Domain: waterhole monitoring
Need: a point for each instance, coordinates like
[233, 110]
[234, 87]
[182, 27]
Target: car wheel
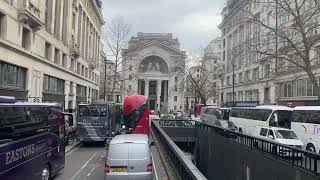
[46, 173]
[311, 148]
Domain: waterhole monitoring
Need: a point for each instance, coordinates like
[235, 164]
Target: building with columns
[154, 67]
[50, 50]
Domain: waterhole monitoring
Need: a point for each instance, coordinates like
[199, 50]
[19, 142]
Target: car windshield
[285, 134]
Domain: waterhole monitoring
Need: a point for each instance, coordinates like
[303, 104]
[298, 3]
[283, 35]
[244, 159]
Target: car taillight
[106, 168]
[149, 168]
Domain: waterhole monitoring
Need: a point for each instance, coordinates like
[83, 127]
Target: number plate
[92, 133]
[118, 169]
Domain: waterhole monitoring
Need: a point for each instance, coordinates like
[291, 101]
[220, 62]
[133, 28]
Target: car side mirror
[271, 137]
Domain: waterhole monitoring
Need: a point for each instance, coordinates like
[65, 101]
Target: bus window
[281, 118]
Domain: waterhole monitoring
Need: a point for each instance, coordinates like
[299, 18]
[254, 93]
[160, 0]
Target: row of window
[12, 76]
[245, 77]
[255, 114]
[53, 85]
[249, 95]
[297, 88]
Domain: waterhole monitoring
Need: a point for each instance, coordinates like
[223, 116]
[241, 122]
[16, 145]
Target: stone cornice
[154, 42]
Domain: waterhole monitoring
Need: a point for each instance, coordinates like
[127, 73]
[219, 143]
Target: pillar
[158, 94]
[146, 87]
[165, 88]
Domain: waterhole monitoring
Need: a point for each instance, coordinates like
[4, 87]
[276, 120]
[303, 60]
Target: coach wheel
[46, 173]
[311, 148]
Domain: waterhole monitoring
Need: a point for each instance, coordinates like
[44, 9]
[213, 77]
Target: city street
[84, 163]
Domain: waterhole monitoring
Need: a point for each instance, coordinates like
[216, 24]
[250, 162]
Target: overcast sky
[193, 22]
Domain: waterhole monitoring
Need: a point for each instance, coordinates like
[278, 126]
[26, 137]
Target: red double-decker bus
[136, 114]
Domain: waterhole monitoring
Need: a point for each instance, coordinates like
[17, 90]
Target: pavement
[72, 146]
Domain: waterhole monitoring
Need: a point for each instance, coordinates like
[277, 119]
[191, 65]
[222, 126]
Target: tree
[115, 37]
[286, 31]
[199, 74]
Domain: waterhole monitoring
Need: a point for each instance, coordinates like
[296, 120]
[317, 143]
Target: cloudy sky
[193, 22]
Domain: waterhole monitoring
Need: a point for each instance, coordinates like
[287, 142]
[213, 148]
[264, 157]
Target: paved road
[84, 163]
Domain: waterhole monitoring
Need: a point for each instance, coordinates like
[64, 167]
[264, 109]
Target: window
[175, 98]
[73, 21]
[255, 74]
[267, 71]
[12, 76]
[71, 88]
[78, 68]
[176, 79]
[26, 38]
[130, 68]
[3, 25]
[86, 73]
[47, 51]
[56, 56]
[48, 12]
[263, 132]
[53, 85]
[17, 118]
[81, 90]
[240, 78]
[64, 60]
[82, 70]
[72, 63]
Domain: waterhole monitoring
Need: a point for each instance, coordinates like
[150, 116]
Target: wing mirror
[271, 136]
[152, 143]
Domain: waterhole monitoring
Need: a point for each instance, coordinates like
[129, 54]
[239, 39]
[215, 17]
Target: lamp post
[233, 98]
[105, 80]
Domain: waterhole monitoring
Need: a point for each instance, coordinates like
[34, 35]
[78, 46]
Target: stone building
[50, 50]
[255, 77]
[107, 72]
[243, 69]
[155, 66]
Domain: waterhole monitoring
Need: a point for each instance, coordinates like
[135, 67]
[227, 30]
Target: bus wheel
[46, 173]
[311, 148]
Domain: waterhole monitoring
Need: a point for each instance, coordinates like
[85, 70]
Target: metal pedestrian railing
[175, 123]
[184, 167]
[295, 155]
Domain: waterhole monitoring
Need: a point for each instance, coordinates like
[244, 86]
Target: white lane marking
[90, 172]
[154, 167]
[85, 164]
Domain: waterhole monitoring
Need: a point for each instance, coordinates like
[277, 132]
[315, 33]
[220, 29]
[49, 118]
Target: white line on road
[154, 167]
[85, 164]
[90, 172]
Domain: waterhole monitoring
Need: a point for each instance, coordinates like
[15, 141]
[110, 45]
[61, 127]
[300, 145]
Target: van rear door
[118, 156]
[139, 158]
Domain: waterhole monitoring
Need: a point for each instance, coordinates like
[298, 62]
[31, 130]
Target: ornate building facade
[50, 50]
[155, 67]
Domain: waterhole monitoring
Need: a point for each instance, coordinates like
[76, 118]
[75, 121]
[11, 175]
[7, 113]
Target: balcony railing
[32, 14]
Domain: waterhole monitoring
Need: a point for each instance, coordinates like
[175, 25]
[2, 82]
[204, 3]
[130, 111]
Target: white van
[128, 158]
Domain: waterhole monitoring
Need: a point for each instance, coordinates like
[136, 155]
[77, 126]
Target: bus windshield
[284, 118]
[284, 134]
[92, 110]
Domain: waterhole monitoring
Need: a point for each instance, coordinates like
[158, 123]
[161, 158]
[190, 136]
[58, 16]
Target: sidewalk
[72, 146]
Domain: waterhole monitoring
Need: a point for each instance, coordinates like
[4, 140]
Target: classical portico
[155, 60]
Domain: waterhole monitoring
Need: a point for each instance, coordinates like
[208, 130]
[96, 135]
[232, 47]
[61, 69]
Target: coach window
[263, 132]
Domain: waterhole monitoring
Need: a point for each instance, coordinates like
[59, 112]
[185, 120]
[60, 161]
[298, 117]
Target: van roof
[270, 107]
[130, 138]
[307, 108]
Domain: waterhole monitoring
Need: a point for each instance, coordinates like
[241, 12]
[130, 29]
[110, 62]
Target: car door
[138, 161]
[118, 161]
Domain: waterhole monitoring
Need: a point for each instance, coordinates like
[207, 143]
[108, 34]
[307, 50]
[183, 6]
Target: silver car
[128, 158]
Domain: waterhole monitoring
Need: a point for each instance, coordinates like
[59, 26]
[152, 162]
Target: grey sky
[193, 22]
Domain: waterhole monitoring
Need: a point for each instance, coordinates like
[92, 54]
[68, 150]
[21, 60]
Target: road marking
[90, 172]
[154, 167]
[85, 164]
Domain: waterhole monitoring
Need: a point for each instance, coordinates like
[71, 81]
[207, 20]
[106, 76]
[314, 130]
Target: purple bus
[31, 140]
